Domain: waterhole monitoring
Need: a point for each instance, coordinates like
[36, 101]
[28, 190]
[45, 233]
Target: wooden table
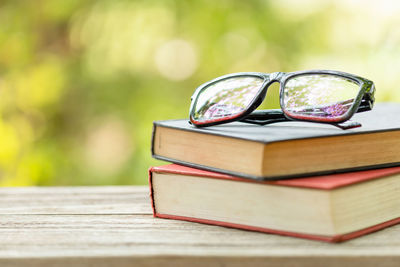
[104, 226]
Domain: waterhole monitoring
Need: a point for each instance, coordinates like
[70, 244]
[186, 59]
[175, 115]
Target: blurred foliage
[81, 81]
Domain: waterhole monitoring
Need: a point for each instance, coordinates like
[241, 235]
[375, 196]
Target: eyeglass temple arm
[366, 104]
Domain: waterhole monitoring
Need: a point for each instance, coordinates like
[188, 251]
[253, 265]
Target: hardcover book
[330, 208]
[284, 149]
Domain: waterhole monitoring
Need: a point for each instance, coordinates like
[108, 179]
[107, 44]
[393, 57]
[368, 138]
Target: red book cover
[325, 182]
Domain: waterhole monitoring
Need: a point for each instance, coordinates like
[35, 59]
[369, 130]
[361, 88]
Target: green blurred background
[81, 81]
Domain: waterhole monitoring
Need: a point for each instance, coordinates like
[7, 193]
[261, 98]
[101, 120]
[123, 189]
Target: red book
[330, 208]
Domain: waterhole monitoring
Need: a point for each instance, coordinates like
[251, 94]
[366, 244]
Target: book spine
[153, 133]
[153, 208]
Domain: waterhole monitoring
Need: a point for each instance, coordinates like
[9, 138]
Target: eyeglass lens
[319, 96]
[226, 98]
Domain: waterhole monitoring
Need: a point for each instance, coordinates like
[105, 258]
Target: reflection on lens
[226, 98]
[319, 96]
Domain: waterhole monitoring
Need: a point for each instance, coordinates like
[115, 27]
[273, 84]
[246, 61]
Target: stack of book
[292, 178]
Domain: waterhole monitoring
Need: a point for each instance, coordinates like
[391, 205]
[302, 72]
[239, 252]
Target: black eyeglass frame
[364, 100]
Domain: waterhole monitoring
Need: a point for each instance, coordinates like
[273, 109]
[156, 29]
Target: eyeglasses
[322, 96]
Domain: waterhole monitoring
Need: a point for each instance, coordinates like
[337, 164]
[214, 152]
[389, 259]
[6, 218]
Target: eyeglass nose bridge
[273, 78]
[276, 77]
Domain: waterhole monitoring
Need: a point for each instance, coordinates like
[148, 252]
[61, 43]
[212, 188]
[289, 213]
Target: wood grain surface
[113, 226]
